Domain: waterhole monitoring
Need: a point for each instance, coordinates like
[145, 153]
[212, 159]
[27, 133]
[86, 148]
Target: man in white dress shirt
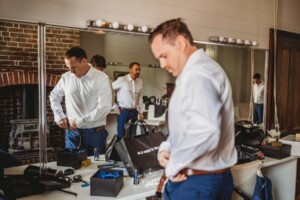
[258, 98]
[200, 150]
[129, 90]
[88, 99]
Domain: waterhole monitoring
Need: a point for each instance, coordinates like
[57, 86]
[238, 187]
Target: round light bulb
[99, 22]
[130, 27]
[115, 25]
[230, 40]
[221, 39]
[144, 29]
[254, 43]
[247, 42]
[238, 41]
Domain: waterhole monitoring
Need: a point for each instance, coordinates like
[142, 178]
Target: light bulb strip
[113, 63]
[115, 26]
[221, 39]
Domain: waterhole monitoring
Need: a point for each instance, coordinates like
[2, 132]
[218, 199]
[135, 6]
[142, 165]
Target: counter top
[146, 188]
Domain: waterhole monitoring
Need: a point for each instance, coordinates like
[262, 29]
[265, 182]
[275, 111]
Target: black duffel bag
[248, 136]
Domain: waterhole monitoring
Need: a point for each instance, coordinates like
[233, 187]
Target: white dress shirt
[258, 93]
[87, 99]
[129, 92]
[201, 118]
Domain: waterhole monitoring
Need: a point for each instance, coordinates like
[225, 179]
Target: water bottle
[135, 177]
[96, 154]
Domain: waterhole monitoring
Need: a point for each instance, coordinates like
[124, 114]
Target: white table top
[290, 139]
[147, 186]
[272, 161]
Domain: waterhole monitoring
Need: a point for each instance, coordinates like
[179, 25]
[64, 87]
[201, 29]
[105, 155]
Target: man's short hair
[170, 30]
[76, 52]
[133, 63]
[257, 76]
[99, 61]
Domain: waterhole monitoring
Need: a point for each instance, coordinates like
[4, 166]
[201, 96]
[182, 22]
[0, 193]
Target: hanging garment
[263, 188]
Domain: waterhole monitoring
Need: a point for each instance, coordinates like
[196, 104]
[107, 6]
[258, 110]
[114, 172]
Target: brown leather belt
[129, 109]
[190, 172]
[100, 128]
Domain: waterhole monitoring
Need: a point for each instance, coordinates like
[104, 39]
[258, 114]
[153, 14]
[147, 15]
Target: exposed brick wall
[18, 45]
[19, 65]
[25, 77]
[59, 40]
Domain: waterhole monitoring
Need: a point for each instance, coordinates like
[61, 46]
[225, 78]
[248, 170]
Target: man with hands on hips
[200, 150]
[88, 100]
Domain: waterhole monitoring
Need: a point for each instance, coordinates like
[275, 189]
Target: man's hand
[117, 110]
[163, 158]
[73, 125]
[63, 123]
[178, 178]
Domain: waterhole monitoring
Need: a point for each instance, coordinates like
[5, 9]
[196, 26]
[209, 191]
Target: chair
[244, 178]
[155, 121]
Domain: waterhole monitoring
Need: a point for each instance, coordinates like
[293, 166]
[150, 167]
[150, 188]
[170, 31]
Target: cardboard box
[71, 157]
[109, 187]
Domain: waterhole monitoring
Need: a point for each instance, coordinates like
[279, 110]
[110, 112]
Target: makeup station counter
[281, 172]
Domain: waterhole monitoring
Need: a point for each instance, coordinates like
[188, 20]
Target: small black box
[277, 152]
[109, 187]
[71, 157]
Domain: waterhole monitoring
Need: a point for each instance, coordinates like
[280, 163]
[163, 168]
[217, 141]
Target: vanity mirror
[238, 62]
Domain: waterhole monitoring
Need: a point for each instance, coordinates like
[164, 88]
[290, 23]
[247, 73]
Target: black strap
[130, 130]
[241, 193]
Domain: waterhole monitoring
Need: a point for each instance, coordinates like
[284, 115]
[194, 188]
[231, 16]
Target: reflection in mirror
[124, 49]
[237, 63]
[116, 48]
[19, 64]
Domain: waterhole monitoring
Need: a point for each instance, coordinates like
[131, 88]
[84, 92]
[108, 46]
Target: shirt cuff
[171, 169]
[164, 146]
[59, 117]
[79, 122]
[115, 106]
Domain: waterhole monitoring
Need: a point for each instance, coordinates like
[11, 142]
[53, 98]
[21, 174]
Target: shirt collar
[91, 71]
[192, 59]
[129, 77]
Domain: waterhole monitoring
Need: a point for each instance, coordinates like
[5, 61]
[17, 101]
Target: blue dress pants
[258, 115]
[123, 118]
[203, 187]
[88, 138]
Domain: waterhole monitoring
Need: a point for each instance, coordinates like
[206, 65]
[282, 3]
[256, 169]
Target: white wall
[230, 18]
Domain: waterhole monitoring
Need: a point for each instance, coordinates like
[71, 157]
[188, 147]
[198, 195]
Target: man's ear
[181, 42]
[84, 61]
